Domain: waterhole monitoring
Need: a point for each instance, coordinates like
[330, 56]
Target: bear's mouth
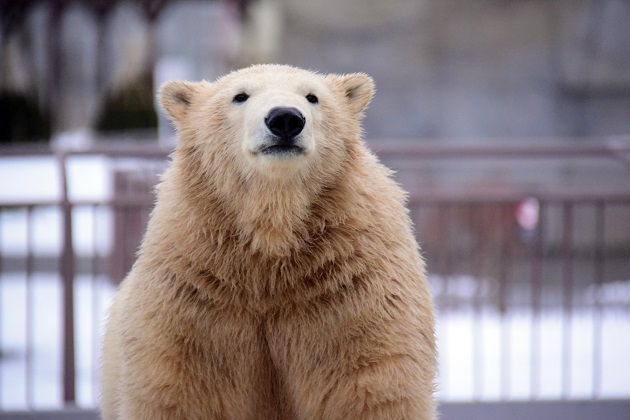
[281, 149]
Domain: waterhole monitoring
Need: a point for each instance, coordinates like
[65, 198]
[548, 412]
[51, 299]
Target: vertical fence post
[67, 278]
[1, 300]
[537, 261]
[28, 273]
[567, 293]
[600, 239]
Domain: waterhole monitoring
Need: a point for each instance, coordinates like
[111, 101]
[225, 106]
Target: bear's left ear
[358, 89]
[176, 97]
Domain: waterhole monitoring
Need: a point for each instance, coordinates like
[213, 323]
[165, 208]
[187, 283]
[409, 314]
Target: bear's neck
[261, 216]
[271, 216]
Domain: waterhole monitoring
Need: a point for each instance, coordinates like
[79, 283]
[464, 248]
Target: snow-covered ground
[484, 355]
[502, 346]
[40, 386]
[493, 357]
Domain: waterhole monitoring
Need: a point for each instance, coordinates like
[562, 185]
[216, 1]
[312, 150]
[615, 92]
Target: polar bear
[279, 277]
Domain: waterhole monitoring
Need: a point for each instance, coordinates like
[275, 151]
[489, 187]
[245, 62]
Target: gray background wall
[443, 68]
[456, 68]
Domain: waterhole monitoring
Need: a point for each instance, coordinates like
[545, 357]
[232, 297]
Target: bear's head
[266, 141]
[269, 119]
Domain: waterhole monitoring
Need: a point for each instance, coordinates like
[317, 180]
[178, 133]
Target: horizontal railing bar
[469, 196]
[116, 202]
[612, 146]
[122, 150]
[482, 196]
[523, 148]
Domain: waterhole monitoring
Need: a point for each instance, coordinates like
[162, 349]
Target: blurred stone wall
[97, 58]
[463, 69]
[443, 68]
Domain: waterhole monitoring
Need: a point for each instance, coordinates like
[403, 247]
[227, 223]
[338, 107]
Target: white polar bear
[279, 277]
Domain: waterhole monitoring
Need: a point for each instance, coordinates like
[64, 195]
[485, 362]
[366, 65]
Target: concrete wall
[462, 69]
[443, 68]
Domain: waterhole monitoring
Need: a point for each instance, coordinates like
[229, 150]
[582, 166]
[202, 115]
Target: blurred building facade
[443, 69]
[476, 69]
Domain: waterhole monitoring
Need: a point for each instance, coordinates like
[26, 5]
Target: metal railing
[508, 261]
[512, 278]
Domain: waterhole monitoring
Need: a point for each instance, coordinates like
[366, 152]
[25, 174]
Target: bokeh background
[508, 121]
[444, 69]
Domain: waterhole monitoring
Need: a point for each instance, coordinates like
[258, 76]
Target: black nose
[285, 122]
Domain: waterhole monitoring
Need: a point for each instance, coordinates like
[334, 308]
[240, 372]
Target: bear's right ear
[358, 89]
[176, 97]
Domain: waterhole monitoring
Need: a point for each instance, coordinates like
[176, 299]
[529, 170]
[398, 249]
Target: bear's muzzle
[284, 124]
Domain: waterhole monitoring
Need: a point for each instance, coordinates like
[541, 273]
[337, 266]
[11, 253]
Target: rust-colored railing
[495, 242]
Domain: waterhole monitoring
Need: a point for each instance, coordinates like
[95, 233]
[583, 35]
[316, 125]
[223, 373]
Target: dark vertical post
[67, 278]
[441, 251]
[53, 81]
[29, 307]
[504, 290]
[102, 11]
[96, 307]
[1, 289]
[597, 310]
[152, 10]
[538, 255]
[475, 250]
[567, 293]
[101, 52]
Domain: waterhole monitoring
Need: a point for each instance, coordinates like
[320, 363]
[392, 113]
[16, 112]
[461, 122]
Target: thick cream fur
[272, 288]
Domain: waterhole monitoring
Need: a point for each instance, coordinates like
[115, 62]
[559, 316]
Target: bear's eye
[312, 98]
[241, 97]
